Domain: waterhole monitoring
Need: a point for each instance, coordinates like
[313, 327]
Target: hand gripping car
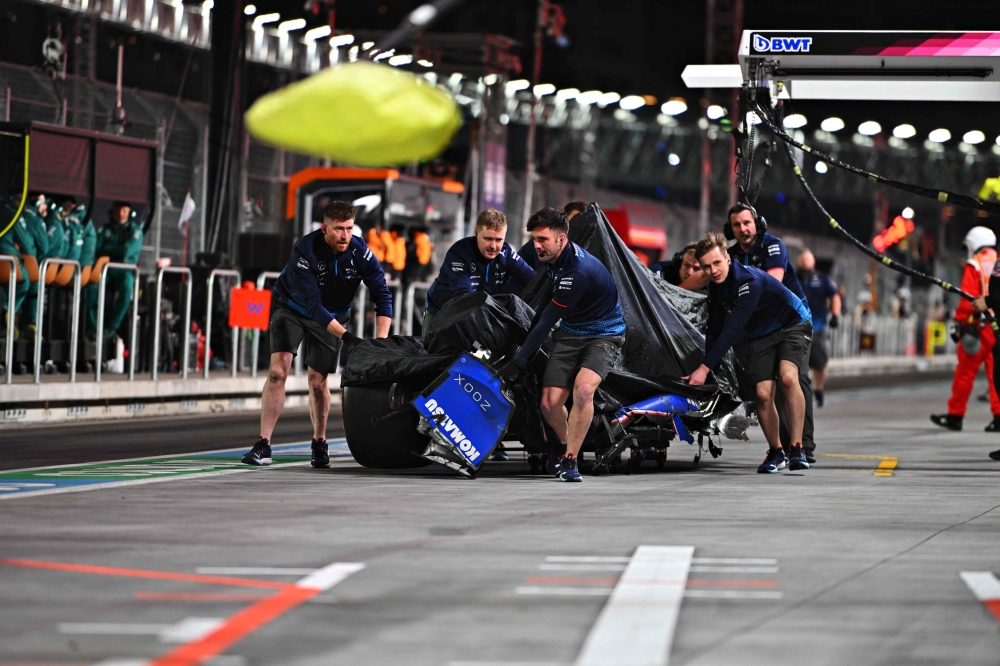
[409, 401]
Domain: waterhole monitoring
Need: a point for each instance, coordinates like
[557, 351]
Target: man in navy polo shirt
[311, 305]
[589, 340]
[822, 297]
[755, 247]
[483, 262]
[743, 299]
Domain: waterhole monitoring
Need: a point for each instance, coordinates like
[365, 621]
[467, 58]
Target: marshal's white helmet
[978, 238]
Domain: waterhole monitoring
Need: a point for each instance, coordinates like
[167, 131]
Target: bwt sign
[782, 44]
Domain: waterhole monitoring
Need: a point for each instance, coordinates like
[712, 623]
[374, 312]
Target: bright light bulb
[543, 89]
[974, 137]
[908, 213]
[869, 128]
[567, 93]
[715, 112]
[673, 159]
[674, 106]
[833, 124]
[293, 24]
[821, 167]
[632, 102]
[401, 59]
[939, 135]
[904, 131]
[608, 98]
[516, 85]
[341, 40]
[794, 121]
[265, 18]
[589, 97]
[317, 33]
[250, 10]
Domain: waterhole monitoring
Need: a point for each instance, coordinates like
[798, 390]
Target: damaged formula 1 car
[409, 401]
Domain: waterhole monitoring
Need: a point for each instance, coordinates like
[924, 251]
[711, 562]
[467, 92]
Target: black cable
[943, 196]
[878, 256]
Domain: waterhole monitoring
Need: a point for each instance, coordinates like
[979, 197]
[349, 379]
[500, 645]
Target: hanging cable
[886, 261]
[943, 196]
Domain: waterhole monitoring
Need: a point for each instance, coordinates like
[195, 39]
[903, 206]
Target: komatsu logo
[450, 430]
[782, 44]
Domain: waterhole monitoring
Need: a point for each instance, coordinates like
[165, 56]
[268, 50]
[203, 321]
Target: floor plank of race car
[887, 552]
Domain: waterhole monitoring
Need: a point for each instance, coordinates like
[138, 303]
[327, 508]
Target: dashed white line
[582, 567]
[254, 571]
[710, 569]
[983, 584]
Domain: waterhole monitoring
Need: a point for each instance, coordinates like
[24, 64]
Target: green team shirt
[121, 242]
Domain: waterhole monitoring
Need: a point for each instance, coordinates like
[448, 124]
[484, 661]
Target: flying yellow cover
[358, 113]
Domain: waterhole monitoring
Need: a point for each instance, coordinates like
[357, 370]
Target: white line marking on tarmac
[732, 560]
[730, 594]
[330, 575]
[703, 569]
[983, 584]
[121, 662]
[254, 571]
[586, 558]
[506, 663]
[636, 626]
[565, 591]
[190, 629]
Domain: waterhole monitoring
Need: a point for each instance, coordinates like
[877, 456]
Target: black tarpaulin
[479, 321]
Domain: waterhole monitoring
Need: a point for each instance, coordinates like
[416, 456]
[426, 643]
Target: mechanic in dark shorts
[820, 290]
[589, 340]
[311, 305]
[774, 323]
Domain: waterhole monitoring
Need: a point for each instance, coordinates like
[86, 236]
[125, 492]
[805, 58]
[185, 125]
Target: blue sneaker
[499, 454]
[568, 470]
[552, 464]
[796, 458]
[259, 455]
[774, 462]
[320, 453]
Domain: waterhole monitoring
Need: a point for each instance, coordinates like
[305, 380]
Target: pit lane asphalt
[831, 566]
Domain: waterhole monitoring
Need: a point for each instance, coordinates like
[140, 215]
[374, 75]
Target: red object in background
[652, 240]
[250, 308]
[896, 232]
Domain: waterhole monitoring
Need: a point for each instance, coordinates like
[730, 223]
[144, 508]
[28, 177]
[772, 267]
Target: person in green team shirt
[121, 241]
[10, 246]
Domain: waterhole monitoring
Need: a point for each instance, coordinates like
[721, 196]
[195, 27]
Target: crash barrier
[74, 324]
[255, 346]
[220, 272]
[874, 335]
[411, 295]
[8, 356]
[361, 303]
[101, 302]
[186, 273]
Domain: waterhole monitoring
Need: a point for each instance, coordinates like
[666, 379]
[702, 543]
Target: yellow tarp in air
[359, 113]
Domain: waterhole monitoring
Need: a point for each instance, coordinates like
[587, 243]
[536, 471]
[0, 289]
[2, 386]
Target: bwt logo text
[782, 44]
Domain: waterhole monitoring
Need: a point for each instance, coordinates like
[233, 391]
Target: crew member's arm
[549, 317]
[748, 295]
[775, 259]
[132, 247]
[697, 280]
[374, 278]
[305, 292]
[835, 303]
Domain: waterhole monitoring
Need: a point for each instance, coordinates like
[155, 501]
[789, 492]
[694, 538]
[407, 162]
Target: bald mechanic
[746, 300]
[755, 247]
[312, 305]
[821, 297]
[589, 340]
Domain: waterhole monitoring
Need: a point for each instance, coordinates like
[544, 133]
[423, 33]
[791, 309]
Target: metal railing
[361, 305]
[187, 319]
[74, 324]
[890, 336]
[255, 348]
[220, 272]
[411, 295]
[101, 302]
[11, 302]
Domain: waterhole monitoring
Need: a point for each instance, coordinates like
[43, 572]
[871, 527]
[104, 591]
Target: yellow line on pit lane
[886, 465]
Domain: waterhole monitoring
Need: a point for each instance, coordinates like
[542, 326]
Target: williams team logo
[762, 44]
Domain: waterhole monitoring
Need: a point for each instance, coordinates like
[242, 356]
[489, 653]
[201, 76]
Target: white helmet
[978, 238]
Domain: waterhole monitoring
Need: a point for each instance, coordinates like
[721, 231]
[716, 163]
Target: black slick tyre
[378, 436]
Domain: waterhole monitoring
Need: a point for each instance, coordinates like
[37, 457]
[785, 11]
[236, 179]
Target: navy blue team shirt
[466, 270]
[767, 253]
[320, 284]
[755, 302]
[818, 287]
[586, 295]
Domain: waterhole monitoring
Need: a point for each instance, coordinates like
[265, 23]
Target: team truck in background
[409, 401]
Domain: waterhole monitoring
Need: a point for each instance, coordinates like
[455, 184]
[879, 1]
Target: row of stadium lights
[871, 128]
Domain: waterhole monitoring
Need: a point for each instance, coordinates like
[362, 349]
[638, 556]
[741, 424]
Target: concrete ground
[859, 560]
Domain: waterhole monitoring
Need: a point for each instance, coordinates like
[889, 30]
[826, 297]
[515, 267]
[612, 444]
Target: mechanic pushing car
[683, 270]
[483, 262]
[755, 247]
[778, 331]
[312, 305]
[589, 340]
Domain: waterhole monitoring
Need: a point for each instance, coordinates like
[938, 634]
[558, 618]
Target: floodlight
[974, 137]
[821, 167]
[939, 135]
[589, 97]
[795, 121]
[715, 112]
[632, 102]
[543, 89]
[674, 106]
[833, 124]
[904, 131]
[869, 128]
[673, 159]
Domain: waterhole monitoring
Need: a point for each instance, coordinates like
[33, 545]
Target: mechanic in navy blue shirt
[587, 345]
[483, 262]
[755, 247]
[311, 306]
[747, 303]
[820, 290]
[527, 250]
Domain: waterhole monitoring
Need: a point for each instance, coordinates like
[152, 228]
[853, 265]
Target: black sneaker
[796, 458]
[949, 421]
[568, 470]
[499, 454]
[818, 395]
[774, 462]
[994, 425]
[259, 455]
[810, 455]
[320, 453]
[995, 454]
